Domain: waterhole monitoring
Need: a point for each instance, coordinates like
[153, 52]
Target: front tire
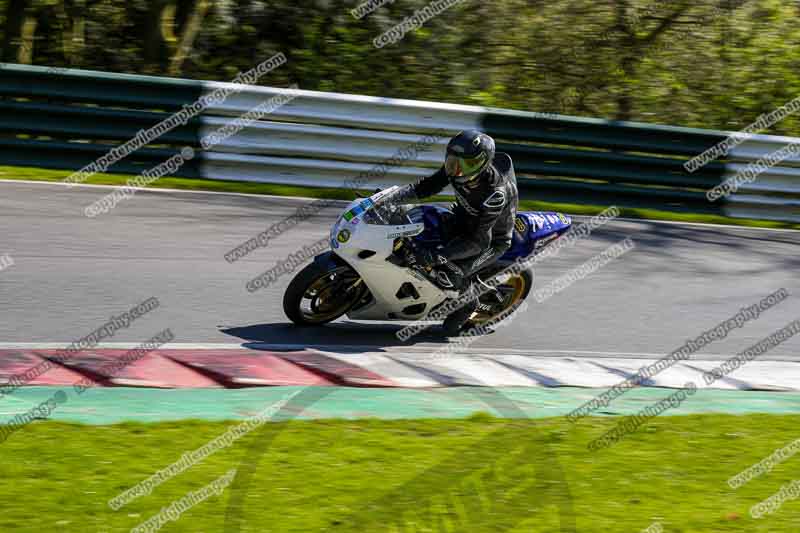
[321, 293]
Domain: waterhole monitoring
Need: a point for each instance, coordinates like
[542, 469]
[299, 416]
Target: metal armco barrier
[65, 119]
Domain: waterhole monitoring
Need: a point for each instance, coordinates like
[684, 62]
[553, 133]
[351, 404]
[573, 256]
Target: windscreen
[390, 207]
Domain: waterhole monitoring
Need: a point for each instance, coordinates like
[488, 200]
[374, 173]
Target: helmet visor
[464, 169]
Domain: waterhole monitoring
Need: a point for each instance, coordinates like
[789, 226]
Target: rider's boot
[455, 321]
[450, 282]
[470, 294]
[449, 277]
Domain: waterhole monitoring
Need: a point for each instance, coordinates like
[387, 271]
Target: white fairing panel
[384, 279]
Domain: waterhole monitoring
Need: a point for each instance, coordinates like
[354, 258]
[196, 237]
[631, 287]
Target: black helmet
[468, 154]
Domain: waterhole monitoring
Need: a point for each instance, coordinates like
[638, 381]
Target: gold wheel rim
[324, 289]
[517, 284]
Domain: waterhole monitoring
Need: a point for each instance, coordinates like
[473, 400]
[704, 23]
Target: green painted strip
[76, 85]
[599, 133]
[585, 192]
[113, 405]
[147, 99]
[78, 122]
[74, 156]
[611, 165]
[633, 179]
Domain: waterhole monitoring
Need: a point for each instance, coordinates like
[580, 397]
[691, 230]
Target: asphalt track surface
[72, 273]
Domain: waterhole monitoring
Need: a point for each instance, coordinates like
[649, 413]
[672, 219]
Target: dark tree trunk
[154, 49]
[15, 18]
[627, 61]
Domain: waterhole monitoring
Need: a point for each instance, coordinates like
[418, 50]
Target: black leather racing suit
[482, 228]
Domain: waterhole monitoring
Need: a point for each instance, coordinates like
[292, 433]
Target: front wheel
[321, 293]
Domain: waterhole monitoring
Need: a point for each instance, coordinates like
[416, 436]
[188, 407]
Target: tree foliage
[708, 63]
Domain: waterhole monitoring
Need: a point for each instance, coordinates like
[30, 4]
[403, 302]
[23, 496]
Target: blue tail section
[532, 229]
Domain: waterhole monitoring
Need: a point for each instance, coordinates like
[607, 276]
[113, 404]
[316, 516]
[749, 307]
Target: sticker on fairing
[358, 210]
[407, 233]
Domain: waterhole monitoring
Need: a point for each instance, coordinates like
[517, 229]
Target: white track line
[370, 348]
[165, 190]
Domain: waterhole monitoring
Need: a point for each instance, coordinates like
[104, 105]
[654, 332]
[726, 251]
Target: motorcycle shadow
[341, 335]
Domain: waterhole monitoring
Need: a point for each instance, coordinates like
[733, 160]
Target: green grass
[39, 174]
[477, 475]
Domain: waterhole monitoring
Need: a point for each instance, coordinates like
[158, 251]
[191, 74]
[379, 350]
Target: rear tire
[331, 290]
[514, 290]
[453, 324]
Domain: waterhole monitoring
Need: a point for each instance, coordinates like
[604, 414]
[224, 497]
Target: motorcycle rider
[486, 205]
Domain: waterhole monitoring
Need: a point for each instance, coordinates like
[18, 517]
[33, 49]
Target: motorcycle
[370, 274]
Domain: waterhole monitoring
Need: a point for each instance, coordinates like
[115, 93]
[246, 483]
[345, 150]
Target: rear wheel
[513, 292]
[321, 293]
